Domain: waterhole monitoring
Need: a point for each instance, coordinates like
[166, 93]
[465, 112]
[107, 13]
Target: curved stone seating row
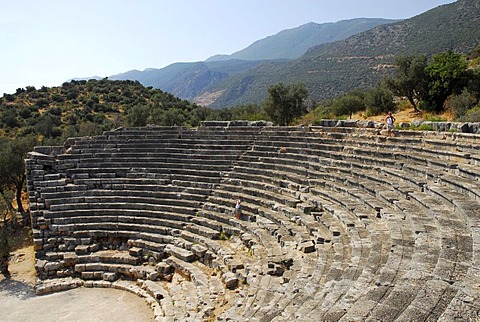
[338, 223]
[337, 231]
[88, 202]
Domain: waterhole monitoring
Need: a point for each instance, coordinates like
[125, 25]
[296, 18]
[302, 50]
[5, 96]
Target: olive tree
[12, 179]
[410, 78]
[12, 169]
[284, 103]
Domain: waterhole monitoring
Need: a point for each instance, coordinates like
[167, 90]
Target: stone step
[203, 230]
[178, 253]
[128, 210]
[162, 296]
[188, 269]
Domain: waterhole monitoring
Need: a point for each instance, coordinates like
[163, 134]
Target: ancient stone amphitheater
[338, 223]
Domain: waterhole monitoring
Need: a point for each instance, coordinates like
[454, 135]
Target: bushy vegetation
[448, 82]
[88, 108]
[285, 102]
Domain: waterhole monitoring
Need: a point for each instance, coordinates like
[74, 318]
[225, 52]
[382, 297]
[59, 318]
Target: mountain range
[293, 43]
[189, 80]
[329, 58]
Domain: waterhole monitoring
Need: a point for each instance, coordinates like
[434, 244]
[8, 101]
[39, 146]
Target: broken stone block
[275, 269]
[81, 249]
[135, 251]
[70, 259]
[307, 247]
[231, 281]
[235, 265]
[163, 268]
[52, 266]
[199, 250]
[110, 277]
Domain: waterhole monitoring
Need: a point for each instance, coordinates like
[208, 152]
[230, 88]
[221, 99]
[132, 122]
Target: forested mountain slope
[361, 60]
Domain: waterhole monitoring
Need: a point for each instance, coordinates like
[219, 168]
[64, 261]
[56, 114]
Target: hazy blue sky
[48, 42]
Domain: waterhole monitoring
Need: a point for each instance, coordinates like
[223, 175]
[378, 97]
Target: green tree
[173, 116]
[284, 103]
[459, 104]
[12, 169]
[199, 114]
[138, 115]
[9, 118]
[47, 125]
[410, 78]
[447, 74]
[348, 104]
[474, 83]
[379, 100]
[249, 112]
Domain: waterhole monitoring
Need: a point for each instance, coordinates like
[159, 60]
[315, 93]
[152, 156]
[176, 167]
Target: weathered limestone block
[135, 251]
[70, 259]
[37, 244]
[230, 280]
[52, 266]
[307, 246]
[247, 239]
[157, 291]
[143, 272]
[164, 269]
[305, 208]
[203, 231]
[87, 275]
[110, 276]
[199, 250]
[80, 268]
[275, 269]
[180, 253]
[235, 265]
[40, 266]
[82, 249]
[85, 241]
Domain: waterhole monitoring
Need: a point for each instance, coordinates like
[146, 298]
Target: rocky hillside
[361, 60]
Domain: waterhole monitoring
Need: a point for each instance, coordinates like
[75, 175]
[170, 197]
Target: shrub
[472, 115]
[423, 127]
[379, 101]
[347, 105]
[459, 104]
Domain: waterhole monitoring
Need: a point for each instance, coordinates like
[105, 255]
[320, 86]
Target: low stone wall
[461, 127]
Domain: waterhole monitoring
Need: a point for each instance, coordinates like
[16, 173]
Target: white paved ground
[19, 303]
